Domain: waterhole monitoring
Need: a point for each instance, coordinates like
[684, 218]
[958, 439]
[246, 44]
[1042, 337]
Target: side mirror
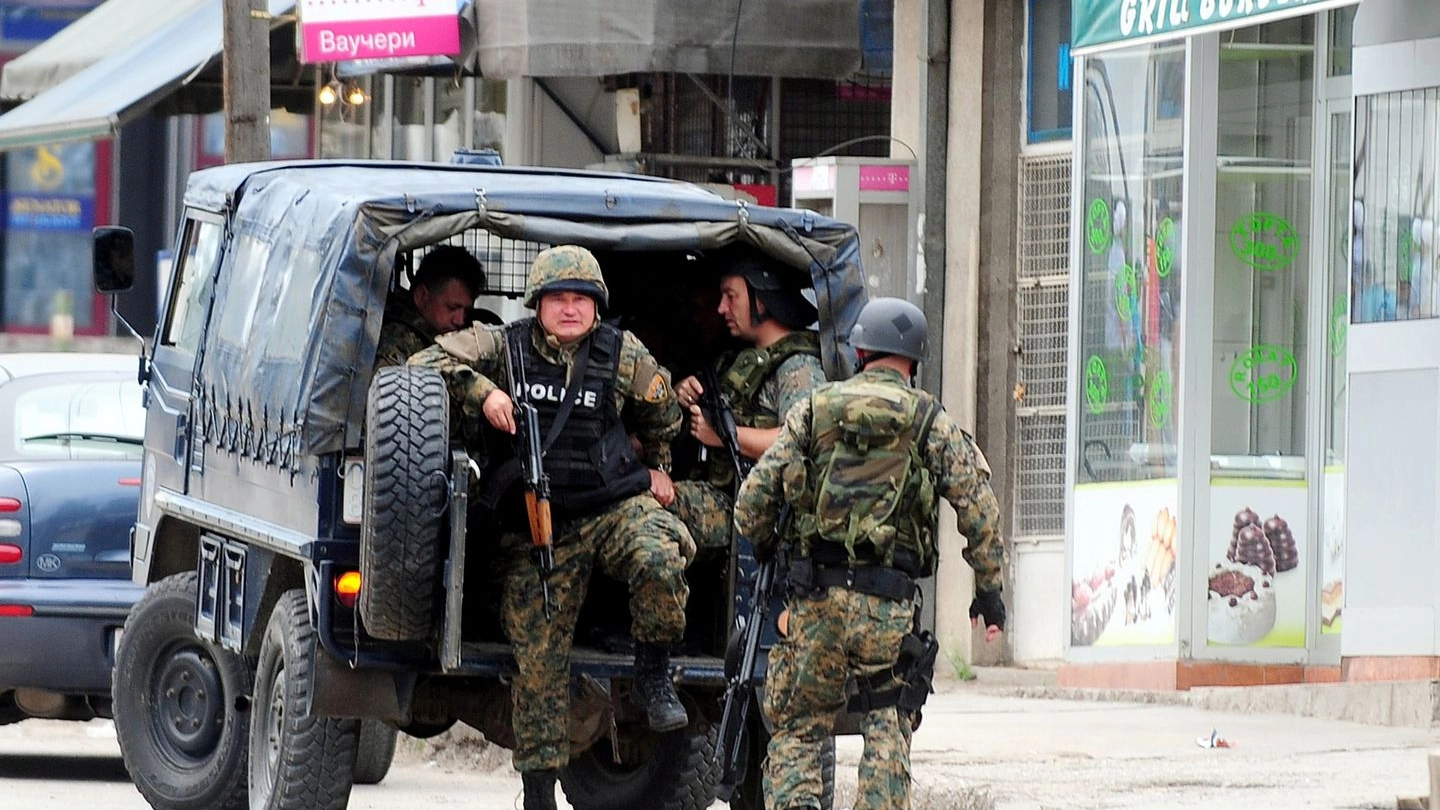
[113, 257]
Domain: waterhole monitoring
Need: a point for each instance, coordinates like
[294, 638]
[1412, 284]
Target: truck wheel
[297, 761]
[673, 771]
[375, 751]
[407, 422]
[180, 705]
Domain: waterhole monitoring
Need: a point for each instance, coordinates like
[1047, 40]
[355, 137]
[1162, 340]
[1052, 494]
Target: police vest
[741, 381]
[591, 463]
[863, 495]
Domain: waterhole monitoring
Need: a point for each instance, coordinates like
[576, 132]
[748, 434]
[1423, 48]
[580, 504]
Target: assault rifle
[537, 483]
[733, 735]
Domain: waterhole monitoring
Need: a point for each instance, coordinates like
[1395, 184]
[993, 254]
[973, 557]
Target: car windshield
[80, 418]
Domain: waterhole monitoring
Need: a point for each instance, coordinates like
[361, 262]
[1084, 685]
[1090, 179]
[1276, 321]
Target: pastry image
[1241, 603]
[1282, 543]
[1159, 560]
[1092, 600]
[1248, 543]
[1332, 600]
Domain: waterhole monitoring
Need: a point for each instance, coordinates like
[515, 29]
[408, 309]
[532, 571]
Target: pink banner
[369, 39]
[884, 178]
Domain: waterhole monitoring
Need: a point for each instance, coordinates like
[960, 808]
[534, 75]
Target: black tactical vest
[591, 463]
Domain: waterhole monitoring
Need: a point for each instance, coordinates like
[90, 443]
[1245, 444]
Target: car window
[80, 419]
[194, 282]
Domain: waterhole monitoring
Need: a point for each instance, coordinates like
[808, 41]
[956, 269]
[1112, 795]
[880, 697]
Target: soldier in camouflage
[862, 464]
[761, 303]
[443, 290]
[607, 505]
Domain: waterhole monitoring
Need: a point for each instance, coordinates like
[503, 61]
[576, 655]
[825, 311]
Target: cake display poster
[1256, 594]
[1122, 589]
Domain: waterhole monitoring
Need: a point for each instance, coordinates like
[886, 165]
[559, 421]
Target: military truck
[307, 533]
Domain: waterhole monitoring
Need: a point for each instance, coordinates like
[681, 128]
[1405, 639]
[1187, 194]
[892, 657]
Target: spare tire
[407, 420]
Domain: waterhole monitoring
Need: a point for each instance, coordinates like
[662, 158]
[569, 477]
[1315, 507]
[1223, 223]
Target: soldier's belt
[874, 580]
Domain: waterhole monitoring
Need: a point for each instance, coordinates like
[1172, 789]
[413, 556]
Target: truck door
[169, 415]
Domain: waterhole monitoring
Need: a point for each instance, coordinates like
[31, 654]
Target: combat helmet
[891, 326]
[777, 287]
[566, 268]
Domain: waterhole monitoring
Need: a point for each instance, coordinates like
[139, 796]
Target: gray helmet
[891, 326]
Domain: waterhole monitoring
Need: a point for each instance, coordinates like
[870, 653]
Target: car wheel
[750, 793]
[375, 751]
[297, 761]
[180, 708]
[407, 419]
[673, 771]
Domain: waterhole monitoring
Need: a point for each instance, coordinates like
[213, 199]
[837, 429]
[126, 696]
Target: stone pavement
[1010, 740]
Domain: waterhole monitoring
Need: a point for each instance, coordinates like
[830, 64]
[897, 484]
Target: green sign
[1097, 225]
[1094, 23]
[1127, 290]
[1097, 383]
[1263, 374]
[1165, 248]
[1159, 399]
[1339, 326]
[1264, 241]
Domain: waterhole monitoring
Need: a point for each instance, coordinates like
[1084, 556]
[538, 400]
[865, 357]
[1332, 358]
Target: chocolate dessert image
[1092, 601]
[1282, 543]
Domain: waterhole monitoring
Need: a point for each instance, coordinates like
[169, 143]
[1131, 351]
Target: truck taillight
[9, 552]
[347, 588]
[16, 610]
[10, 504]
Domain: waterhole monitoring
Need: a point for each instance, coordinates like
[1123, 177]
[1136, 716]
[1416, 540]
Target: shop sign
[1097, 23]
[342, 30]
[48, 212]
[1124, 576]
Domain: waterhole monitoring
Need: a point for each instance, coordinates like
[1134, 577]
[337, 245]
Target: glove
[990, 605]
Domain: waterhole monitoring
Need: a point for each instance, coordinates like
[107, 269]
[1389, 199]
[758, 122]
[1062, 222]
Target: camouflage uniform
[404, 332]
[633, 540]
[703, 504]
[841, 632]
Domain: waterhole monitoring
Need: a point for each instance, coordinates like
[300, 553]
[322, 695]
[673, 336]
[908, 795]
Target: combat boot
[654, 692]
[539, 789]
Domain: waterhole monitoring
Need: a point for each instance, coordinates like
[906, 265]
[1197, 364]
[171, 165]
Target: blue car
[71, 434]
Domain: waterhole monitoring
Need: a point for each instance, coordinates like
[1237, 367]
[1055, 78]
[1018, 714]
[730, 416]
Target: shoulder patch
[658, 390]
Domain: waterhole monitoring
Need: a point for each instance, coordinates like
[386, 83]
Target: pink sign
[341, 30]
[884, 178]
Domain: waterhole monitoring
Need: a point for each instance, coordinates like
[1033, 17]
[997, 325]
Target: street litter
[1213, 740]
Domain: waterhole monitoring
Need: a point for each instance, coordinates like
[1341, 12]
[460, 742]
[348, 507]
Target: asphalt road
[977, 750]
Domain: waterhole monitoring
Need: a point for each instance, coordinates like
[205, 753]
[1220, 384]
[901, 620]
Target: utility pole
[246, 77]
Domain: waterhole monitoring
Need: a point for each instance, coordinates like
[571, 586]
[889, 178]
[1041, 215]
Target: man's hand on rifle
[689, 390]
[662, 487]
[499, 410]
[700, 428]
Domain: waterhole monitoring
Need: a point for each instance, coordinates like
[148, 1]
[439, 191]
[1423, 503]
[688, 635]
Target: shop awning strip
[1098, 25]
[97, 100]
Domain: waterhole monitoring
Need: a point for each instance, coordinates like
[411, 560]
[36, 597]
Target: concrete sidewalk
[1010, 740]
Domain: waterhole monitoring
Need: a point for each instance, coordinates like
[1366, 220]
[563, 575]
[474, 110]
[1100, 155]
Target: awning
[132, 74]
[1104, 24]
[797, 38]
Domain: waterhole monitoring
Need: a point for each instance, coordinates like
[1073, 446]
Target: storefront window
[1394, 236]
[1134, 108]
[50, 209]
[1263, 243]
[1126, 517]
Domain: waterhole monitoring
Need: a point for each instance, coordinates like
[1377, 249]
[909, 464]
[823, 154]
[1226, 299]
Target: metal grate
[1040, 476]
[506, 261]
[1043, 308]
